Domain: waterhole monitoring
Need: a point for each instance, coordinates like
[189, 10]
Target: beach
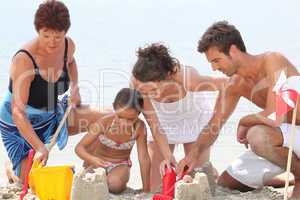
[131, 194]
[107, 35]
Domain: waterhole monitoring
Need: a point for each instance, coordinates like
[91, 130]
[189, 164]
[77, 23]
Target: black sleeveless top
[44, 94]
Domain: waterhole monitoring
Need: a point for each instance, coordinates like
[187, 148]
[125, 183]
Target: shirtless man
[252, 77]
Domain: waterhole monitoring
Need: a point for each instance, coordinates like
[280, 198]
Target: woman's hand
[242, 134]
[75, 96]
[41, 155]
[167, 163]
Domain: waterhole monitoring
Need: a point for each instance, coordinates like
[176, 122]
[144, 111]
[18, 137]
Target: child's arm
[81, 148]
[143, 155]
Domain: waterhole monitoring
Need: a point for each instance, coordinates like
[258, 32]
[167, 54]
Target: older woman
[40, 71]
[175, 104]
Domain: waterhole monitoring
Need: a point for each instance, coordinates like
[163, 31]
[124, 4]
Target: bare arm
[143, 156]
[275, 64]
[157, 132]
[262, 118]
[22, 74]
[88, 139]
[73, 74]
[225, 105]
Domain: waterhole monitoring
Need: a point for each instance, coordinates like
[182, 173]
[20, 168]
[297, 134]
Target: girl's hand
[98, 162]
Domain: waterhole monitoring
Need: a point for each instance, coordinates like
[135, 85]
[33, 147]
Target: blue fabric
[43, 122]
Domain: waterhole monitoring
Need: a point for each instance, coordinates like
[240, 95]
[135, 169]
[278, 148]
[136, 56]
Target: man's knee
[258, 140]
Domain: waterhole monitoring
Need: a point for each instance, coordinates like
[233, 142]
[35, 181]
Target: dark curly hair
[129, 98]
[154, 63]
[52, 14]
[221, 35]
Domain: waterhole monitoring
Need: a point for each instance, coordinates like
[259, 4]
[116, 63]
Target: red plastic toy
[29, 163]
[168, 185]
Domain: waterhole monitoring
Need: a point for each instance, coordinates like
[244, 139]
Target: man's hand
[242, 134]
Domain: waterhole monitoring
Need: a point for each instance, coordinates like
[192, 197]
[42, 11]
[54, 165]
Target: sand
[11, 192]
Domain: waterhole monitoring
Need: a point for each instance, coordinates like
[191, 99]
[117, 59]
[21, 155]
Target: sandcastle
[195, 189]
[90, 184]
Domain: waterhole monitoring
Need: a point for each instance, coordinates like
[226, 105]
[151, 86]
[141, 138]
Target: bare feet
[12, 178]
[279, 181]
[296, 191]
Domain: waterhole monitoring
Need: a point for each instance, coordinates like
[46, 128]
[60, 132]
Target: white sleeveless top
[183, 120]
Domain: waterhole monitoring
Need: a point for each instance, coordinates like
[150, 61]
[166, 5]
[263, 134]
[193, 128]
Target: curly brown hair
[221, 35]
[154, 63]
[53, 15]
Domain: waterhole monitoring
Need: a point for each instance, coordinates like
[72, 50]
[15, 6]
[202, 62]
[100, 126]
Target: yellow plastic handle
[36, 165]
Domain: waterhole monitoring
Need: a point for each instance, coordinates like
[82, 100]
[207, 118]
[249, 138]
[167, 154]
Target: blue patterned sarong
[43, 122]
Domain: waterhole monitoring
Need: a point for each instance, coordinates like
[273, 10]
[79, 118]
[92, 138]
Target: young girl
[109, 142]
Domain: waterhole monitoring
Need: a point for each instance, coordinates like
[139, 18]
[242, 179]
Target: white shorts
[252, 170]
[286, 131]
[255, 171]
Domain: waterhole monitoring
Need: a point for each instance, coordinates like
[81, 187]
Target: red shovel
[29, 163]
[168, 185]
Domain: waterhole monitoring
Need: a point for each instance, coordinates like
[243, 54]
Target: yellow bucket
[51, 183]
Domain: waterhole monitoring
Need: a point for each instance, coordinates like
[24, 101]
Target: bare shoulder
[103, 123]
[71, 44]
[275, 61]
[22, 59]
[71, 47]
[107, 116]
[194, 81]
[273, 55]
[21, 63]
